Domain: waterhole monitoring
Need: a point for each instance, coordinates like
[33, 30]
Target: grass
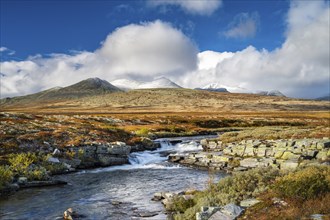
[268, 133]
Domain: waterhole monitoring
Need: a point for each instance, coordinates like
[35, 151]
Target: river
[115, 193]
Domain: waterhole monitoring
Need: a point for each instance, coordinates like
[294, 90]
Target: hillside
[159, 100]
[88, 87]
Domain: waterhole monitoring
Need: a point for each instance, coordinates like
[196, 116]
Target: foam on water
[153, 159]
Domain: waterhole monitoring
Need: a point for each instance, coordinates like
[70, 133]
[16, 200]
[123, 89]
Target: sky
[257, 45]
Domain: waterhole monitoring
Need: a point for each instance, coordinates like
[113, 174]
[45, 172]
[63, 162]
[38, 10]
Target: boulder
[158, 196]
[249, 151]
[232, 210]
[322, 144]
[238, 150]
[206, 212]
[22, 180]
[323, 155]
[249, 162]
[116, 148]
[110, 160]
[53, 160]
[289, 165]
[219, 159]
[288, 155]
[220, 216]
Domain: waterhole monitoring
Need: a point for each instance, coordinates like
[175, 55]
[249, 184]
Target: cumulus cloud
[200, 7]
[139, 50]
[244, 25]
[299, 68]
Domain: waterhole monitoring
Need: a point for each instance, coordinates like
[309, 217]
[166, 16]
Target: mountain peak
[92, 84]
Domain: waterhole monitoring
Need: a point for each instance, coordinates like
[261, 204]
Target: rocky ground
[247, 154]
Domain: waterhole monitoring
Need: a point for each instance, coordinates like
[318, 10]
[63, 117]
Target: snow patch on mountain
[128, 84]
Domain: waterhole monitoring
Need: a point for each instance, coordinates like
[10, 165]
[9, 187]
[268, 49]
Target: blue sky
[44, 27]
[245, 45]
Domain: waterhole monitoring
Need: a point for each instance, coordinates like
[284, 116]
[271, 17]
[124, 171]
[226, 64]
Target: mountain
[217, 87]
[159, 83]
[88, 87]
[270, 93]
[213, 87]
[324, 98]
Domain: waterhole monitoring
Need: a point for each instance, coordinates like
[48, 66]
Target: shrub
[6, 176]
[180, 204]
[142, 132]
[24, 164]
[307, 183]
[19, 163]
[231, 189]
[36, 173]
[54, 168]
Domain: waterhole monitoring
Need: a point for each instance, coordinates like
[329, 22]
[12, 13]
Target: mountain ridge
[84, 88]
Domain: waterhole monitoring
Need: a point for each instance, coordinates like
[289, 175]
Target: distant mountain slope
[213, 87]
[324, 98]
[271, 93]
[162, 82]
[223, 88]
[88, 87]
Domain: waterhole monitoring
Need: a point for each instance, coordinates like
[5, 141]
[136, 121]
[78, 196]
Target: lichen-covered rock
[288, 155]
[249, 162]
[289, 165]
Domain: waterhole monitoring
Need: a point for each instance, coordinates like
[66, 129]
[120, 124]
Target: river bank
[116, 192]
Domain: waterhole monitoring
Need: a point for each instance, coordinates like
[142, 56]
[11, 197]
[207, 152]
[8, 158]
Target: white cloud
[148, 49]
[144, 50]
[200, 7]
[7, 50]
[3, 49]
[299, 68]
[244, 25]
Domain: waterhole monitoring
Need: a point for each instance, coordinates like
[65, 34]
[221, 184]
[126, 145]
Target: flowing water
[118, 192]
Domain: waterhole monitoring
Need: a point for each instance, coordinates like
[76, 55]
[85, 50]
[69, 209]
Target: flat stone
[53, 160]
[249, 162]
[249, 202]
[218, 159]
[289, 165]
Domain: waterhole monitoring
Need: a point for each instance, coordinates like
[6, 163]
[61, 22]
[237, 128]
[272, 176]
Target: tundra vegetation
[31, 128]
[302, 193]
